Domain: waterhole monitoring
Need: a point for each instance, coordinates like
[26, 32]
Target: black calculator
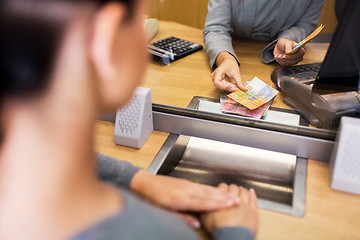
[172, 48]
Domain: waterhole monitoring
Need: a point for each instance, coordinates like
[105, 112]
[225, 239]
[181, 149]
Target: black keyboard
[312, 67]
[173, 48]
[305, 73]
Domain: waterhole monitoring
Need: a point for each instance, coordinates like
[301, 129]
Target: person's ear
[107, 55]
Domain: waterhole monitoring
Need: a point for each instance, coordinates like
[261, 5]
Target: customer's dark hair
[31, 33]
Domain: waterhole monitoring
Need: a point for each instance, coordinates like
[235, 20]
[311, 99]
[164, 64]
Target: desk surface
[329, 214]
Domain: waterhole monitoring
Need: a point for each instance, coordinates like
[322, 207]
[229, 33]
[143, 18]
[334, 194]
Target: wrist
[225, 56]
[139, 182]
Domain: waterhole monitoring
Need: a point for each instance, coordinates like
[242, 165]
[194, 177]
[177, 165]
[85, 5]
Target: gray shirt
[118, 173]
[265, 20]
[139, 220]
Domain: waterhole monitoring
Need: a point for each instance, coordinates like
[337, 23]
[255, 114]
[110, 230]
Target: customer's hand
[179, 194]
[227, 69]
[244, 215]
[283, 46]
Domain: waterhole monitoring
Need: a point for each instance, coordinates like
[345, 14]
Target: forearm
[116, 172]
[306, 24]
[217, 31]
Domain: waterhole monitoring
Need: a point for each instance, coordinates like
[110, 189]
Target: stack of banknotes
[253, 103]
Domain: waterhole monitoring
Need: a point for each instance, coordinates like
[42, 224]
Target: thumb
[289, 46]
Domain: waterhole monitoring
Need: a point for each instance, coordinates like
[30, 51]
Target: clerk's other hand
[181, 195]
[227, 69]
[283, 46]
[244, 215]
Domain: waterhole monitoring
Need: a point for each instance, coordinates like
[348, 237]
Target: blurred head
[33, 36]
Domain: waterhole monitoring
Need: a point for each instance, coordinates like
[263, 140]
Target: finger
[206, 198]
[234, 189]
[223, 187]
[220, 81]
[239, 82]
[289, 46]
[208, 192]
[289, 62]
[231, 87]
[206, 204]
[283, 62]
[199, 197]
[297, 55]
[189, 219]
[222, 194]
[226, 188]
[280, 61]
[225, 85]
[218, 75]
[244, 195]
[294, 59]
[276, 51]
[253, 198]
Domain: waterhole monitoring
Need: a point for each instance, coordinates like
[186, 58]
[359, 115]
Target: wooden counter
[329, 214]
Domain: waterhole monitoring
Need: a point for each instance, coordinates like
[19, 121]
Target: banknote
[298, 46]
[258, 93]
[228, 105]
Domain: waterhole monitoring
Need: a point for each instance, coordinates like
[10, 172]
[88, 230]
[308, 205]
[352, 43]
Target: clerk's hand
[244, 215]
[227, 69]
[283, 46]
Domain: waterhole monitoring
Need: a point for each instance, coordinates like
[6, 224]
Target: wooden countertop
[329, 214]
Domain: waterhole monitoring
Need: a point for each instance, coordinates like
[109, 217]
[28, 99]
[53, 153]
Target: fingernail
[228, 203]
[232, 195]
[195, 224]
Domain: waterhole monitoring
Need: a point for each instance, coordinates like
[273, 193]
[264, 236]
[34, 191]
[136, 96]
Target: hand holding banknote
[288, 52]
[284, 46]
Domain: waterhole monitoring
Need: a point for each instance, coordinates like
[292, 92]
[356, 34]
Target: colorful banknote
[298, 46]
[258, 94]
[228, 105]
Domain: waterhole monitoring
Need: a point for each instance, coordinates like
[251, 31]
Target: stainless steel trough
[279, 179]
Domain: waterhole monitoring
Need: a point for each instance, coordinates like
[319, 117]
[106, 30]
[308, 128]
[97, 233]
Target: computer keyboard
[312, 67]
[305, 73]
[173, 48]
